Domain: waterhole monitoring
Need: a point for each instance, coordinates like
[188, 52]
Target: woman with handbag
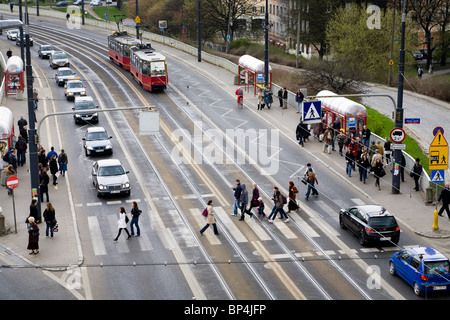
[122, 223]
[210, 219]
[292, 204]
[33, 236]
[49, 218]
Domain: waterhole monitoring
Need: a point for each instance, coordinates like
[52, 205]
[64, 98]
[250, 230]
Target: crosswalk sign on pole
[438, 176]
[312, 112]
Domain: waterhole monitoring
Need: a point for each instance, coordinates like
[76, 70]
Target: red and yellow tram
[119, 44]
[148, 67]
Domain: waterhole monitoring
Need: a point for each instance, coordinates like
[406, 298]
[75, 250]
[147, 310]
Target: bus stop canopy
[252, 63]
[341, 105]
[6, 123]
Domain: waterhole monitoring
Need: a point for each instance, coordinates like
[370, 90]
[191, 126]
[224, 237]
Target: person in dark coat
[292, 201]
[445, 199]
[24, 133]
[43, 184]
[33, 236]
[54, 169]
[49, 218]
[254, 202]
[417, 171]
[21, 147]
[34, 211]
[280, 97]
[243, 201]
[22, 122]
[237, 195]
[301, 132]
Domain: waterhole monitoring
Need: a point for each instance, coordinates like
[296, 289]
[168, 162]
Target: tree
[443, 17]
[350, 35]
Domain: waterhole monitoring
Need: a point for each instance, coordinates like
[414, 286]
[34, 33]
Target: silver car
[96, 141]
[110, 178]
[58, 59]
[63, 75]
[45, 50]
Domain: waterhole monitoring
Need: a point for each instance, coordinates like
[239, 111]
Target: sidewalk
[63, 251]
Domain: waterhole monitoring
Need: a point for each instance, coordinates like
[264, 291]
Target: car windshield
[65, 73]
[381, 222]
[60, 56]
[72, 85]
[81, 105]
[46, 48]
[91, 136]
[437, 267]
[111, 171]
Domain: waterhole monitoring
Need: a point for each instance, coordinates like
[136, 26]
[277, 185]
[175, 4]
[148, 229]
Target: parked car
[86, 110]
[424, 268]
[45, 50]
[417, 55]
[24, 42]
[96, 141]
[96, 3]
[109, 177]
[58, 59]
[12, 34]
[63, 75]
[62, 4]
[370, 223]
[78, 3]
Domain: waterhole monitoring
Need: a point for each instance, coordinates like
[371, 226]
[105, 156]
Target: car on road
[63, 75]
[423, 268]
[12, 34]
[78, 3]
[58, 59]
[62, 4]
[45, 50]
[96, 141]
[85, 110]
[370, 223]
[110, 178]
[96, 3]
[24, 42]
[74, 88]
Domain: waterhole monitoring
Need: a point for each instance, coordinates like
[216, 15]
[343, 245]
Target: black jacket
[237, 191]
[445, 196]
[49, 215]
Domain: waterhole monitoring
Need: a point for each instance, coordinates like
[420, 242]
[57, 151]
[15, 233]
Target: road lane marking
[228, 223]
[96, 236]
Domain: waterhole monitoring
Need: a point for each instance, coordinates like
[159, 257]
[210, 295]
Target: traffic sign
[435, 131]
[12, 182]
[312, 111]
[391, 63]
[398, 146]
[439, 140]
[412, 120]
[137, 20]
[438, 158]
[438, 176]
[398, 135]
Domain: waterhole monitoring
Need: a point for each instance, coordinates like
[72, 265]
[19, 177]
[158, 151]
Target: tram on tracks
[149, 67]
[119, 44]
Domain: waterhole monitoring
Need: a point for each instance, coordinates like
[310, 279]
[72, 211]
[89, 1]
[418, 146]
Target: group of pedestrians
[50, 162]
[123, 221]
[33, 219]
[265, 98]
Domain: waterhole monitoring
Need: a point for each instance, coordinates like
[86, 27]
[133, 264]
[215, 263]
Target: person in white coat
[122, 223]
[210, 219]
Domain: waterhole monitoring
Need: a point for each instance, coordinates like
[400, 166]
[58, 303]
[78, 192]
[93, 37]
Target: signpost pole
[14, 211]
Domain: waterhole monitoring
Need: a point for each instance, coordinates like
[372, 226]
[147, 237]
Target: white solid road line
[96, 236]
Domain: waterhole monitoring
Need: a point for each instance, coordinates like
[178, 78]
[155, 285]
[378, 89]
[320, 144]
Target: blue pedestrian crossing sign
[438, 176]
[312, 111]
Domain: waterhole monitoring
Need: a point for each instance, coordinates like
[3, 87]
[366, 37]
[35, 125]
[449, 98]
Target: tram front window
[158, 68]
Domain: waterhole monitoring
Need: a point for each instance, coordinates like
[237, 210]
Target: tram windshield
[158, 68]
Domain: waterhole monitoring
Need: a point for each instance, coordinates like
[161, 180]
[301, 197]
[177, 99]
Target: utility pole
[399, 110]
[298, 35]
[199, 32]
[266, 46]
[137, 23]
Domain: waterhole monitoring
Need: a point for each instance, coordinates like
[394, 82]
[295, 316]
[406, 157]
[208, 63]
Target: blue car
[424, 268]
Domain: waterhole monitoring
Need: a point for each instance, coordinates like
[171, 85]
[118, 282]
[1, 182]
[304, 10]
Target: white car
[74, 88]
[96, 3]
[12, 34]
[109, 178]
[96, 141]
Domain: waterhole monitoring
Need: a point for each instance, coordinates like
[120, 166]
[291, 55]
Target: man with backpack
[311, 178]
[21, 147]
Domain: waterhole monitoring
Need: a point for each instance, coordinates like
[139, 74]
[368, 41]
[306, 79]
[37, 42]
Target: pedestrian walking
[261, 207]
[9, 172]
[243, 200]
[341, 137]
[254, 201]
[35, 101]
[292, 202]
[444, 198]
[43, 185]
[50, 219]
[237, 195]
[22, 123]
[364, 166]
[12, 160]
[349, 161]
[34, 211]
[11, 6]
[378, 171]
[33, 236]
[9, 53]
[402, 167]
[135, 213]
[210, 219]
[279, 201]
[416, 173]
[122, 223]
[328, 140]
[260, 99]
[419, 72]
[301, 132]
[299, 99]
[387, 150]
[336, 125]
[312, 180]
[51, 153]
[280, 97]
[285, 97]
[54, 169]
[268, 98]
[24, 133]
[21, 147]
[63, 160]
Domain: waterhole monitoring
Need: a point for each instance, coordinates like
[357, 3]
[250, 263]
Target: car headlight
[108, 147]
[69, 93]
[126, 185]
[90, 148]
[101, 187]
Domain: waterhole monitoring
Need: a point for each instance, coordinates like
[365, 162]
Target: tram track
[222, 177]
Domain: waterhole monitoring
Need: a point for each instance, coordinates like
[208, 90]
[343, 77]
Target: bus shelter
[7, 139]
[14, 76]
[351, 115]
[251, 73]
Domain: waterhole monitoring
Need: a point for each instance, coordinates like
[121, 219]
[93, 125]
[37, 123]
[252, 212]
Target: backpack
[205, 213]
[6, 157]
[284, 198]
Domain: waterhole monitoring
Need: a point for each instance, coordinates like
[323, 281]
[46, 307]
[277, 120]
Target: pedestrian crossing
[102, 232]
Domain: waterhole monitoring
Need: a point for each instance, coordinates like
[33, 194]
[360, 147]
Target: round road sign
[435, 131]
[12, 182]
[398, 135]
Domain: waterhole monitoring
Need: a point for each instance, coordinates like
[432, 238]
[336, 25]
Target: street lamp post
[199, 33]
[399, 110]
[266, 45]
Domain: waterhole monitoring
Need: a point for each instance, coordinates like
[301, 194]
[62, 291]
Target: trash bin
[429, 194]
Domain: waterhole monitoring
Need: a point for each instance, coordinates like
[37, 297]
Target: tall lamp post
[266, 45]
[399, 110]
[199, 33]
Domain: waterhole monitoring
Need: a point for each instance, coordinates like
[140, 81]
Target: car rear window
[437, 267]
[381, 222]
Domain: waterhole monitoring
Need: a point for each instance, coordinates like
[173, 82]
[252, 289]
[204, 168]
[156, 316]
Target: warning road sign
[439, 140]
[438, 158]
[438, 176]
